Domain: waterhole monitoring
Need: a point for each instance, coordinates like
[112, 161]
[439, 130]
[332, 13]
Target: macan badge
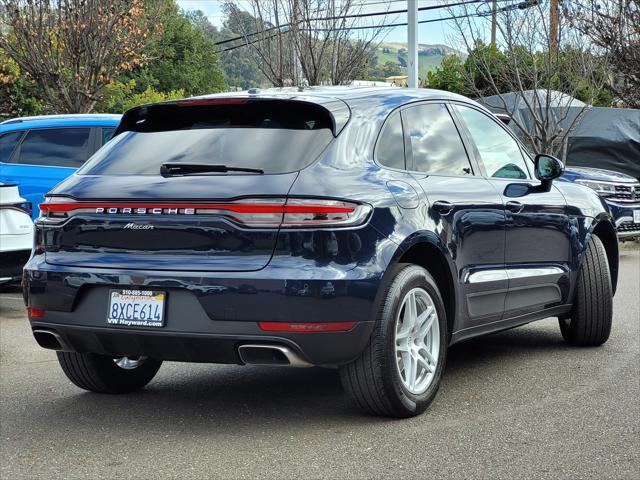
[138, 226]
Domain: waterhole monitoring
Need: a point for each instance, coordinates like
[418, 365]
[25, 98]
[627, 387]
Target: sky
[430, 33]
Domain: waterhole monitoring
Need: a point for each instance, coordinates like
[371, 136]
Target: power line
[390, 25]
[353, 15]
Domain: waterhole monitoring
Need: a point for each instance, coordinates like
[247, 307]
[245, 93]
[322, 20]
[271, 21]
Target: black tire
[99, 373]
[372, 380]
[589, 322]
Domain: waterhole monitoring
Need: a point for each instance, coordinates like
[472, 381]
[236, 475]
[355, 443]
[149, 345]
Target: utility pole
[494, 20]
[554, 19]
[412, 63]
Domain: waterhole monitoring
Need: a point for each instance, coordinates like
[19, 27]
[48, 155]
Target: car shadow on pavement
[205, 396]
[517, 343]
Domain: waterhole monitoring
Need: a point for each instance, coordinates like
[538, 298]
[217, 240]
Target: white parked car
[16, 233]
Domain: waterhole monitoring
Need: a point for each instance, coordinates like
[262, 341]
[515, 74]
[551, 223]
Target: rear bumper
[208, 316]
[324, 349]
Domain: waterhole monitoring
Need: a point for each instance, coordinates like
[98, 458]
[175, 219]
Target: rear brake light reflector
[35, 312]
[307, 326]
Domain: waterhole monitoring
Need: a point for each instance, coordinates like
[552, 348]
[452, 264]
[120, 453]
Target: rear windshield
[274, 136]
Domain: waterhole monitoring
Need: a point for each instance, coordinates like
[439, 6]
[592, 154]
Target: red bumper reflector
[307, 327]
[35, 312]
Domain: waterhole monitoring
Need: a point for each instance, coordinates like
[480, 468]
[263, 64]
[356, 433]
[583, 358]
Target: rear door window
[273, 136]
[436, 145]
[55, 147]
[8, 143]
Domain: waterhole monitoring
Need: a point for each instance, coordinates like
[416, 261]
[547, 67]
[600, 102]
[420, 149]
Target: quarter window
[8, 143]
[55, 147]
[499, 152]
[390, 150]
[436, 145]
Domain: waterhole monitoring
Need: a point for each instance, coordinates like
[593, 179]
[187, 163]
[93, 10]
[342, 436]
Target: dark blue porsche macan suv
[363, 229]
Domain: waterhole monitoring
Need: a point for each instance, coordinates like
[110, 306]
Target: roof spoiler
[337, 109]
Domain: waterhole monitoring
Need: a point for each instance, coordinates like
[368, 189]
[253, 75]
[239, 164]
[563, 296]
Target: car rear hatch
[227, 166]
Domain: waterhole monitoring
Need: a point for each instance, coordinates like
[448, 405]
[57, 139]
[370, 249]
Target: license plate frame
[636, 216]
[150, 311]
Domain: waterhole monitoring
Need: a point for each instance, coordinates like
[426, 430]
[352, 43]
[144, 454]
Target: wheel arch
[426, 250]
[606, 232]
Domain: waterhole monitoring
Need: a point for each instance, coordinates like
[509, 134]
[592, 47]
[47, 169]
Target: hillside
[429, 56]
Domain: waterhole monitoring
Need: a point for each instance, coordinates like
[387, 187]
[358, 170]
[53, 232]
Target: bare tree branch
[526, 64]
[613, 26]
[306, 41]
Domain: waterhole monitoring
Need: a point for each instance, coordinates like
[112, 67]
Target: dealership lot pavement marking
[512, 405]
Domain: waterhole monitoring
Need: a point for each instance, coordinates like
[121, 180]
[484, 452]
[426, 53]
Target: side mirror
[547, 168]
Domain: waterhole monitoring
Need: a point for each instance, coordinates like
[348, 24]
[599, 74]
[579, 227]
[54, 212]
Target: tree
[614, 26]
[450, 76]
[121, 96]
[73, 48]
[306, 41]
[526, 62]
[181, 57]
[239, 66]
[19, 94]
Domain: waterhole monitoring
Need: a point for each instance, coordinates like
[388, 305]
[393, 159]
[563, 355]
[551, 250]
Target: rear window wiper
[171, 169]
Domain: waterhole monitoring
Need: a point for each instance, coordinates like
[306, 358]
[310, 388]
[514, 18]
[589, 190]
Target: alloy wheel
[417, 341]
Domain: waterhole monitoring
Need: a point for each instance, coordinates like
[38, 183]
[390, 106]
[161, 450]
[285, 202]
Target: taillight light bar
[252, 213]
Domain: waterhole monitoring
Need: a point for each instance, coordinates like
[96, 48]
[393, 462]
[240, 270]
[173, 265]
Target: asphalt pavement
[517, 404]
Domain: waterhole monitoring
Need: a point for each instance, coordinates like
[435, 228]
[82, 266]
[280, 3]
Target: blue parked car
[621, 193]
[36, 153]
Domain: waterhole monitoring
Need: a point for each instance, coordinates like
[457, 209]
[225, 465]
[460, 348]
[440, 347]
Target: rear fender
[396, 263]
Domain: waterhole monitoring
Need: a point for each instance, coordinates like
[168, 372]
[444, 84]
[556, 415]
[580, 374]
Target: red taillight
[307, 326]
[35, 312]
[257, 213]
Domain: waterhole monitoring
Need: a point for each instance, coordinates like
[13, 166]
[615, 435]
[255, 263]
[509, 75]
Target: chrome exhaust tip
[274, 355]
[49, 339]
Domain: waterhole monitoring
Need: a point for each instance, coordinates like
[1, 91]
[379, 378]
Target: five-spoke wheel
[417, 340]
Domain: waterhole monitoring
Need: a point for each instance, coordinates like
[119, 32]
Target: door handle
[515, 207]
[443, 207]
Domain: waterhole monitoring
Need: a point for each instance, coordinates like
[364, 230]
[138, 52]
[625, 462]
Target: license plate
[136, 308]
[636, 216]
